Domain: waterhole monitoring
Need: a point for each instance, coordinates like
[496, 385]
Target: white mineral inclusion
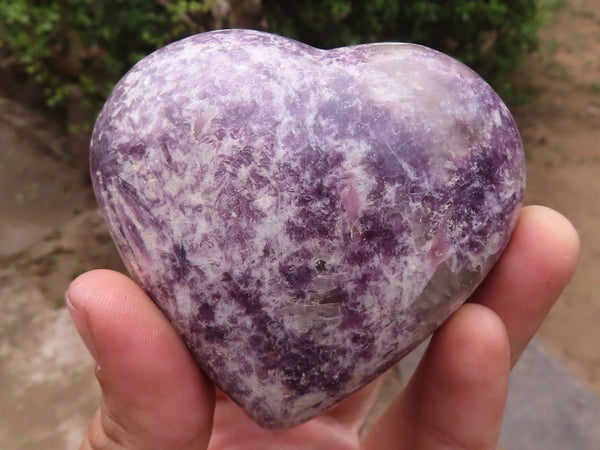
[305, 217]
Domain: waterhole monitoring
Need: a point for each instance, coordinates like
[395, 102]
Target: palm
[234, 429]
[337, 429]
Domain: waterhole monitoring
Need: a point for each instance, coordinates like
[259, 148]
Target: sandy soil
[561, 131]
[50, 231]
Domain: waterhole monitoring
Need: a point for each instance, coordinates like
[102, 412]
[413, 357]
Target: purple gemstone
[305, 217]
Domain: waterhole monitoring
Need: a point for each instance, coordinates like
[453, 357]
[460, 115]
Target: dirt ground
[50, 231]
[561, 131]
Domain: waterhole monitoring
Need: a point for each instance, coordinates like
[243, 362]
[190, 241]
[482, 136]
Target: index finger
[534, 269]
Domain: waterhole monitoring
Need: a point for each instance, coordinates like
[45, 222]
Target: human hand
[155, 397]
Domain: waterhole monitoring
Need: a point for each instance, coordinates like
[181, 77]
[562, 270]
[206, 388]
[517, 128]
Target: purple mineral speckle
[305, 217]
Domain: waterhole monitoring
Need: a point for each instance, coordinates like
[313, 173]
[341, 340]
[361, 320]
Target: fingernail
[82, 327]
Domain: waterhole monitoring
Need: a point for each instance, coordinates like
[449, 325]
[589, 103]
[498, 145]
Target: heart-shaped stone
[305, 217]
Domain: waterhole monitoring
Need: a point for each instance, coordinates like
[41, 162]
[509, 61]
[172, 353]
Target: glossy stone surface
[305, 217]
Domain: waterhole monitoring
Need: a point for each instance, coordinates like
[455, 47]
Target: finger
[456, 397]
[153, 395]
[534, 269]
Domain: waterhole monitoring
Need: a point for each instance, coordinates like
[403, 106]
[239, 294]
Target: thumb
[153, 394]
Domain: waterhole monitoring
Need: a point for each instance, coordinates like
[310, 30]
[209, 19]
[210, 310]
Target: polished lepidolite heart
[305, 217]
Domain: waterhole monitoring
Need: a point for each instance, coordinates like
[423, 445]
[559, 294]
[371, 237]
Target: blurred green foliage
[92, 43]
[491, 36]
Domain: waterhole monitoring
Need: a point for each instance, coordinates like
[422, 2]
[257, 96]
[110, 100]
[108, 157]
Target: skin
[155, 397]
